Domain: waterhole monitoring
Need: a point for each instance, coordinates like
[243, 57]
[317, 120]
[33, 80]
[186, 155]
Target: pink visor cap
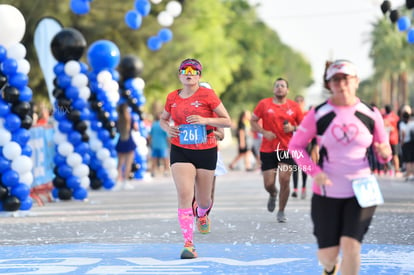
[341, 67]
[194, 63]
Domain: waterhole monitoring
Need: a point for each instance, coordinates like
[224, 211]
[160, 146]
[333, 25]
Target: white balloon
[156, 1]
[174, 8]
[74, 159]
[59, 137]
[22, 164]
[26, 178]
[84, 93]
[96, 145]
[5, 136]
[113, 174]
[23, 66]
[81, 170]
[16, 51]
[72, 68]
[165, 19]
[104, 77]
[85, 181]
[13, 25]
[79, 80]
[12, 150]
[103, 154]
[65, 148]
[138, 83]
[109, 163]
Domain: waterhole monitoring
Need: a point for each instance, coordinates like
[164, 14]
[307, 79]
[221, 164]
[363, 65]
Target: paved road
[136, 232]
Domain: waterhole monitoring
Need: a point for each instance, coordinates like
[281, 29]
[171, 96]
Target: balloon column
[103, 56]
[16, 165]
[131, 88]
[70, 112]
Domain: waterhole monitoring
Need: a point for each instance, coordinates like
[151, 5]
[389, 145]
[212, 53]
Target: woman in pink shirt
[344, 128]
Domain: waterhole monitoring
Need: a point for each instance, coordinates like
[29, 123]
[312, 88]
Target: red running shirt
[273, 115]
[202, 103]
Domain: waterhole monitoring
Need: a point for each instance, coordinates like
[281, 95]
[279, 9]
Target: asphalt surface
[143, 223]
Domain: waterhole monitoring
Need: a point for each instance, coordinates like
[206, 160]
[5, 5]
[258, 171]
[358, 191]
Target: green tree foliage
[240, 54]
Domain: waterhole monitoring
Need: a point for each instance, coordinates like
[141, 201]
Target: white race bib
[367, 191]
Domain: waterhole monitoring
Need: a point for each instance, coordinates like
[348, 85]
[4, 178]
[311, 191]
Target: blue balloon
[55, 193]
[82, 148]
[13, 122]
[154, 43]
[79, 103]
[73, 182]
[64, 171]
[165, 35]
[143, 7]
[4, 164]
[65, 126]
[103, 54]
[21, 191]
[58, 159]
[9, 66]
[4, 108]
[74, 137]
[26, 204]
[3, 53]
[410, 36]
[80, 7]
[133, 19]
[80, 193]
[64, 81]
[26, 94]
[27, 150]
[108, 184]
[19, 80]
[59, 68]
[403, 23]
[21, 136]
[72, 92]
[10, 178]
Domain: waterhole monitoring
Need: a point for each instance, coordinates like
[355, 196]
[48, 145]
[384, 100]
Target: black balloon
[3, 80]
[58, 92]
[68, 44]
[74, 115]
[85, 137]
[27, 122]
[394, 15]
[11, 94]
[81, 126]
[58, 181]
[21, 108]
[11, 203]
[385, 6]
[409, 4]
[3, 192]
[130, 66]
[64, 104]
[64, 194]
[95, 183]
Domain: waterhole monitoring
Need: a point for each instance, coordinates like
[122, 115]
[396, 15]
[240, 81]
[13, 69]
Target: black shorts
[394, 149]
[201, 159]
[334, 218]
[272, 160]
[408, 151]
